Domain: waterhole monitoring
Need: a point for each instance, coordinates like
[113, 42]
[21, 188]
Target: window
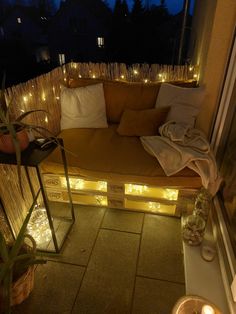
[224, 143]
[19, 20]
[100, 42]
[61, 57]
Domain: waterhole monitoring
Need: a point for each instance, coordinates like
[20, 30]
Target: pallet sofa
[109, 166]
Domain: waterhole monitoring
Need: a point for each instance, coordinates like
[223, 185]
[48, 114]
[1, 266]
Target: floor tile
[155, 296]
[161, 249]
[80, 241]
[55, 289]
[123, 220]
[109, 280]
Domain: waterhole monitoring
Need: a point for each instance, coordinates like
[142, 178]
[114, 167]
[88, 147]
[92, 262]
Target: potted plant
[17, 265]
[13, 131]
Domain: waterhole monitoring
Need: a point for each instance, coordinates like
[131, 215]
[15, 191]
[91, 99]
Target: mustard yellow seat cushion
[105, 155]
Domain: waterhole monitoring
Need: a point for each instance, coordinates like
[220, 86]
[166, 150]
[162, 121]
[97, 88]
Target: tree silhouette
[119, 36]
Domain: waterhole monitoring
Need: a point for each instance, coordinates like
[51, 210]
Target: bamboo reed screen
[43, 92]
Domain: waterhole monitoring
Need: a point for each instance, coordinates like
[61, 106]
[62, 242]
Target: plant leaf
[20, 238]
[7, 293]
[16, 144]
[25, 114]
[3, 102]
[3, 248]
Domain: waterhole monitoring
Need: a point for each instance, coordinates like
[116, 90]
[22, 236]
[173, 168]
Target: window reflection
[228, 172]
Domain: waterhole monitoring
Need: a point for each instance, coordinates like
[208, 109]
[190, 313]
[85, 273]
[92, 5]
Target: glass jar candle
[193, 230]
[202, 204]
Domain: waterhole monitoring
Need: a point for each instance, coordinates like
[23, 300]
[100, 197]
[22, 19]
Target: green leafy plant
[15, 260]
[11, 125]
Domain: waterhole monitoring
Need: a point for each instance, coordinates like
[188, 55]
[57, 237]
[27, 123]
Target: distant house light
[61, 57]
[19, 20]
[100, 42]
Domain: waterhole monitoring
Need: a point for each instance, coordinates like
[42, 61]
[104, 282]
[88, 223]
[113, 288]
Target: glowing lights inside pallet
[81, 184]
[144, 190]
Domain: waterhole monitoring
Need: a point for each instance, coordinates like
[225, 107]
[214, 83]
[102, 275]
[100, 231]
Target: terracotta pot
[22, 287]
[6, 143]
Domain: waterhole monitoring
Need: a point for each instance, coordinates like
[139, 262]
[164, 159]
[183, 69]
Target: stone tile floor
[114, 262]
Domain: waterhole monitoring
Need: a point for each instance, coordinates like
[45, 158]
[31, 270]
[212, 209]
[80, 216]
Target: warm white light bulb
[25, 98]
[207, 309]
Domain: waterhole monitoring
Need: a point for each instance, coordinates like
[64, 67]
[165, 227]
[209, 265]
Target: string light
[122, 76]
[146, 80]
[135, 72]
[43, 96]
[80, 75]
[38, 226]
[94, 76]
[25, 99]
[102, 185]
[46, 119]
[190, 68]
[101, 200]
[171, 194]
[154, 205]
[135, 189]
[77, 184]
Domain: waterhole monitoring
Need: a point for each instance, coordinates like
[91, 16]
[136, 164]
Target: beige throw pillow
[83, 107]
[142, 122]
[184, 102]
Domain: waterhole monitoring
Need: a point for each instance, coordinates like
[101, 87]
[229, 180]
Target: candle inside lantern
[207, 309]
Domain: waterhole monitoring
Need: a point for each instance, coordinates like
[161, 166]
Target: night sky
[174, 6]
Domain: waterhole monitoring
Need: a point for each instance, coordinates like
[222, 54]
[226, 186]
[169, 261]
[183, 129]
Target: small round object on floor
[208, 253]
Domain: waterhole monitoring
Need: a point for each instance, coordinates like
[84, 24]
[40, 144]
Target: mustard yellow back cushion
[123, 95]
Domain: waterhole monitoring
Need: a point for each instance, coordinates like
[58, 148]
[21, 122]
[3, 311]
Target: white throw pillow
[183, 113]
[83, 107]
[184, 102]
